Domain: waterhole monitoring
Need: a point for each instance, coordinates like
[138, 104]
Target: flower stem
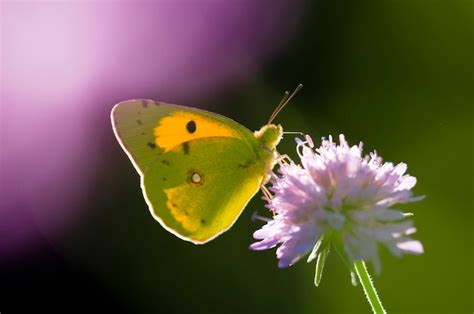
[369, 287]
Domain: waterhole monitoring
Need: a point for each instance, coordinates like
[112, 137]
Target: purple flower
[338, 197]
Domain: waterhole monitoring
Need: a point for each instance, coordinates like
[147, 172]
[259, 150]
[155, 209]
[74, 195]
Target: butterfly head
[269, 135]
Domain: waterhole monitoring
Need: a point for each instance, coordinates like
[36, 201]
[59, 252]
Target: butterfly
[198, 169]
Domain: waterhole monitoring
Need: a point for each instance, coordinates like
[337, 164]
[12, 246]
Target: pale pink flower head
[338, 198]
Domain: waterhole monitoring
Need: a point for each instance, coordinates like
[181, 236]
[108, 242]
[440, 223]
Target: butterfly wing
[146, 129]
[199, 195]
[198, 169]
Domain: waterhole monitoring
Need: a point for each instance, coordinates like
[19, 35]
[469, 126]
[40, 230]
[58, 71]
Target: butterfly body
[198, 169]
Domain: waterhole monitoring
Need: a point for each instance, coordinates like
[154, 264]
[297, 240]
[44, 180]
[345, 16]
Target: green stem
[369, 288]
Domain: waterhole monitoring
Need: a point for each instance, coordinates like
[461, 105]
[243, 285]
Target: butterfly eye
[191, 126]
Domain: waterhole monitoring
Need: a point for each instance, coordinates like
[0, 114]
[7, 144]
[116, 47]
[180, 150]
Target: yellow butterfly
[198, 170]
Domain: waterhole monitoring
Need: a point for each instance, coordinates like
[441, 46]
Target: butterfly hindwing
[198, 196]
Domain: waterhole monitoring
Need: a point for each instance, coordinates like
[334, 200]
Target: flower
[338, 197]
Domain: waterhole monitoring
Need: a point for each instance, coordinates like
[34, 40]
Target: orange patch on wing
[180, 127]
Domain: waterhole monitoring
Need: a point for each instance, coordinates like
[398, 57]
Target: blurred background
[75, 232]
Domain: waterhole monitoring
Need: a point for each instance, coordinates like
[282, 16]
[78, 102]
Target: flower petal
[413, 246]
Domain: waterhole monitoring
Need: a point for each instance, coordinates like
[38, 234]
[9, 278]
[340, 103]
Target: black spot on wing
[203, 221]
[191, 126]
[147, 102]
[185, 212]
[246, 164]
[186, 148]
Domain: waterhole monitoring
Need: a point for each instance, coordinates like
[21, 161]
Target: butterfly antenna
[285, 100]
[282, 101]
[294, 133]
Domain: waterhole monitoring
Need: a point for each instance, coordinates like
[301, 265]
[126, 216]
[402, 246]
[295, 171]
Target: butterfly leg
[283, 160]
[267, 195]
